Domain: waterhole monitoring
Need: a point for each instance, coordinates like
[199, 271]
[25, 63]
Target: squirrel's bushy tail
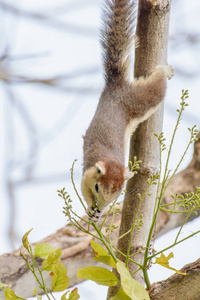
[117, 38]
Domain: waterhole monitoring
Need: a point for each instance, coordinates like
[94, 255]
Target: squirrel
[123, 105]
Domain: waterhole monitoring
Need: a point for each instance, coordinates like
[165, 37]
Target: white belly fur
[131, 127]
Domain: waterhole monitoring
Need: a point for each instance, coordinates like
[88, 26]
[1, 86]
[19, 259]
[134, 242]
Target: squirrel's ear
[128, 174]
[101, 167]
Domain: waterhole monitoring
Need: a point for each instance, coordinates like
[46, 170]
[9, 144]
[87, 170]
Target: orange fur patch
[113, 179]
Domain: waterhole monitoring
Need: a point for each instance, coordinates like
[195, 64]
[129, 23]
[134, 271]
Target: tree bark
[152, 34]
[179, 287]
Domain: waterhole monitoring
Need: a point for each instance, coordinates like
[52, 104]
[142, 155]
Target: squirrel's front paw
[93, 214]
[169, 71]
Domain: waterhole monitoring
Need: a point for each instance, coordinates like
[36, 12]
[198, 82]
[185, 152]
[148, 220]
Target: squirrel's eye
[96, 188]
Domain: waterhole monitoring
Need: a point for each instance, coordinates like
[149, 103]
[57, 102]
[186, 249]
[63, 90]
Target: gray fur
[121, 108]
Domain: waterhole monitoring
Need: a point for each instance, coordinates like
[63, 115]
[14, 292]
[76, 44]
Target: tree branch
[179, 287]
[56, 82]
[152, 33]
[48, 20]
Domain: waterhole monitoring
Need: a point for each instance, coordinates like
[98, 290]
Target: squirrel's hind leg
[148, 92]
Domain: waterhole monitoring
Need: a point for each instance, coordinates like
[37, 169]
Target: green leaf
[25, 240]
[10, 294]
[72, 296]
[98, 249]
[131, 287]
[43, 250]
[164, 261]
[139, 291]
[52, 259]
[100, 275]
[3, 286]
[107, 260]
[120, 295]
[64, 296]
[60, 280]
[126, 279]
[102, 255]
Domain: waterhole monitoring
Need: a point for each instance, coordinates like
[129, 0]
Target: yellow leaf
[52, 259]
[120, 295]
[3, 286]
[42, 250]
[72, 296]
[60, 280]
[131, 287]
[102, 255]
[100, 275]
[25, 240]
[10, 294]
[164, 261]
[64, 296]
[126, 279]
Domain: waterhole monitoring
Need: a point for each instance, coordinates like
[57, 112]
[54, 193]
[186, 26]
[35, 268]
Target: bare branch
[179, 287]
[14, 78]
[48, 20]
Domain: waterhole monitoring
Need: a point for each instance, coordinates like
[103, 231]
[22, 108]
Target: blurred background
[50, 82]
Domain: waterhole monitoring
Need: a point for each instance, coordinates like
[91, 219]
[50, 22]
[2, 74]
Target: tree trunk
[152, 34]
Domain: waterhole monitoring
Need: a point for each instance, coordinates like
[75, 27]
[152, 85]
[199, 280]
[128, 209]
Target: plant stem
[74, 186]
[52, 296]
[146, 278]
[135, 262]
[163, 189]
[172, 245]
[182, 226]
[83, 229]
[135, 272]
[32, 269]
[42, 285]
[111, 206]
[104, 241]
[172, 139]
[170, 179]
[175, 212]
[158, 186]
[110, 230]
[121, 236]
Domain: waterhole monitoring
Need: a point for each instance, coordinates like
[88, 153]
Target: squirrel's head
[103, 183]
